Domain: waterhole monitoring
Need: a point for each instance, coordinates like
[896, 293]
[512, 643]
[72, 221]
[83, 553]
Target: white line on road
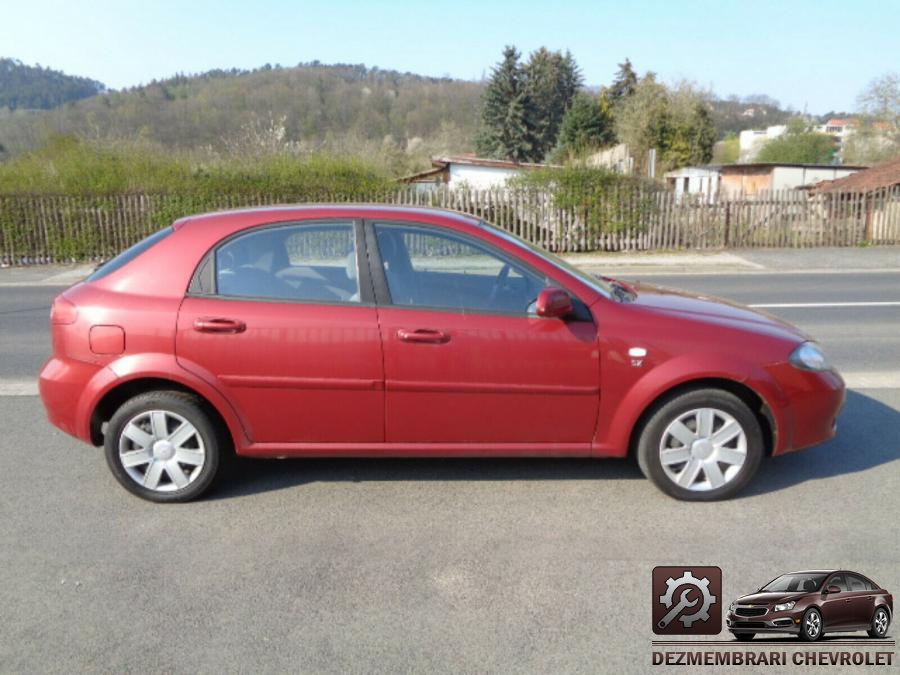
[816, 305]
[855, 380]
[18, 388]
[647, 271]
[885, 380]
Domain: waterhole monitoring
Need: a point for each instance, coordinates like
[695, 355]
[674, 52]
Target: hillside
[733, 114]
[314, 106]
[344, 108]
[33, 87]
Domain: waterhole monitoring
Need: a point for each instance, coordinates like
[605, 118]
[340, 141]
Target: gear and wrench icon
[702, 585]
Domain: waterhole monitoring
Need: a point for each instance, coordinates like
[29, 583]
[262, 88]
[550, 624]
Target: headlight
[809, 356]
[731, 609]
[785, 607]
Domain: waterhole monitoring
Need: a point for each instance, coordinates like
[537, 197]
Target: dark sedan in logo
[811, 604]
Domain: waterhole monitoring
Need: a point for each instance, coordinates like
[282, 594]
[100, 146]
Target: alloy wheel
[161, 450]
[813, 625]
[703, 449]
[881, 622]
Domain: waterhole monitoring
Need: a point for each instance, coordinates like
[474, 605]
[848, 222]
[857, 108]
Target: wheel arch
[747, 394]
[124, 390]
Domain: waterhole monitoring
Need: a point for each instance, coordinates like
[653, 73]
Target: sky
[814, 55]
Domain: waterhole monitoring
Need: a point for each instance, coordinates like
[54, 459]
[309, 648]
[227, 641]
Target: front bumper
[813, 401]
[770, 622]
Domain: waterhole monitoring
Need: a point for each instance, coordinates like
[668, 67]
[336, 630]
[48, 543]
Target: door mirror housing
[553, 303]
[833, 589]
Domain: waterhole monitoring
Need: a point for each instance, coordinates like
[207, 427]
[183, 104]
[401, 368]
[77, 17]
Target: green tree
[692, 132]
[588, 125]
[798, 145]
[676, 122]
[508, 113]
[727, 150]
[643, 119]
[624, 83]
[552, 79]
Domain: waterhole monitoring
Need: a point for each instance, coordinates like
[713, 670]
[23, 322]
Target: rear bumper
[63, 384]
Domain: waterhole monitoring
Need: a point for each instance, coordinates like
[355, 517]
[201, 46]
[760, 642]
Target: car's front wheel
[701, 445]
[744, 637]
[163, 446]
[811, 625]
[880, 623]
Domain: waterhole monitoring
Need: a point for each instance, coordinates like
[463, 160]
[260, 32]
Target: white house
[694, 180]
[468, 171]
[752, 140]
[750, 179]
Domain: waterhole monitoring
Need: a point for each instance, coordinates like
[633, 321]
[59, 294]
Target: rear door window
[306, 262]
[858, 583]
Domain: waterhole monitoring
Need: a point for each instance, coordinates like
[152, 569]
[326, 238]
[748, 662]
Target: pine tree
[552, 79]
[588, 124]
[508, 113]
[624, 83]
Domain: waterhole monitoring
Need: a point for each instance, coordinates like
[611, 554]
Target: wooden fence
[53, 228]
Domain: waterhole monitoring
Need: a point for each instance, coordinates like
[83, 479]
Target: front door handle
[209, 324]
[426, 335]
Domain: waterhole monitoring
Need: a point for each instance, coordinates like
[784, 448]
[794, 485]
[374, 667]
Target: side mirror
[833, 589]
[553, 303]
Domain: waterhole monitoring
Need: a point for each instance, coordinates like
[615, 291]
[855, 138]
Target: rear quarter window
[129, 254]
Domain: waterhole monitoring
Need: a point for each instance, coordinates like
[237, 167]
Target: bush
[66, 165]
[604, 200]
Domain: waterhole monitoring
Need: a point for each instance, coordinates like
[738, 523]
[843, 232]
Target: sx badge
[683, 598]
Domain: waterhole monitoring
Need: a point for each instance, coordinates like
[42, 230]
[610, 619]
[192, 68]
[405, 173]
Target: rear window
[129, 254]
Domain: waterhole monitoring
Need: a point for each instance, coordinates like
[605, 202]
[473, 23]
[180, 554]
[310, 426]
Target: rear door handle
[209, 324]
[427, 335]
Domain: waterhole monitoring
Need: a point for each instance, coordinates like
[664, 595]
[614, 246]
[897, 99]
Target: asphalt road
[425, 565]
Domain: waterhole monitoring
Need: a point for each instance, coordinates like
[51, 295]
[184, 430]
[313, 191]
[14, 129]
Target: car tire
[691, 470]
[744, 637]
[881, 621]
[811, 625]
[164, 446]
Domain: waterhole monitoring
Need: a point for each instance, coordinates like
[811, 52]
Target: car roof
[304, 211]
[815, 572]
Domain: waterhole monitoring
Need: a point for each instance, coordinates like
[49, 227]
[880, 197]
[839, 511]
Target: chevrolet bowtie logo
[749, 605]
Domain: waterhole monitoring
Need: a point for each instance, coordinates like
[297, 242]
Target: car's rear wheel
[701, 445]
[880, 623]
[163, 446]
[744, 637]
[811, 627]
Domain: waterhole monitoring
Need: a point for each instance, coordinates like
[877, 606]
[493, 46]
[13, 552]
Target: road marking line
[628, 271]
[18, 387]
[863, 380]
[811, 305]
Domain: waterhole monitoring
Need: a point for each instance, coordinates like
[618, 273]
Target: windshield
[800, 582]
[588, 279]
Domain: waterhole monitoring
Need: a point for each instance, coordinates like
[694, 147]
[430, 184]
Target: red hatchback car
[388, 331]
